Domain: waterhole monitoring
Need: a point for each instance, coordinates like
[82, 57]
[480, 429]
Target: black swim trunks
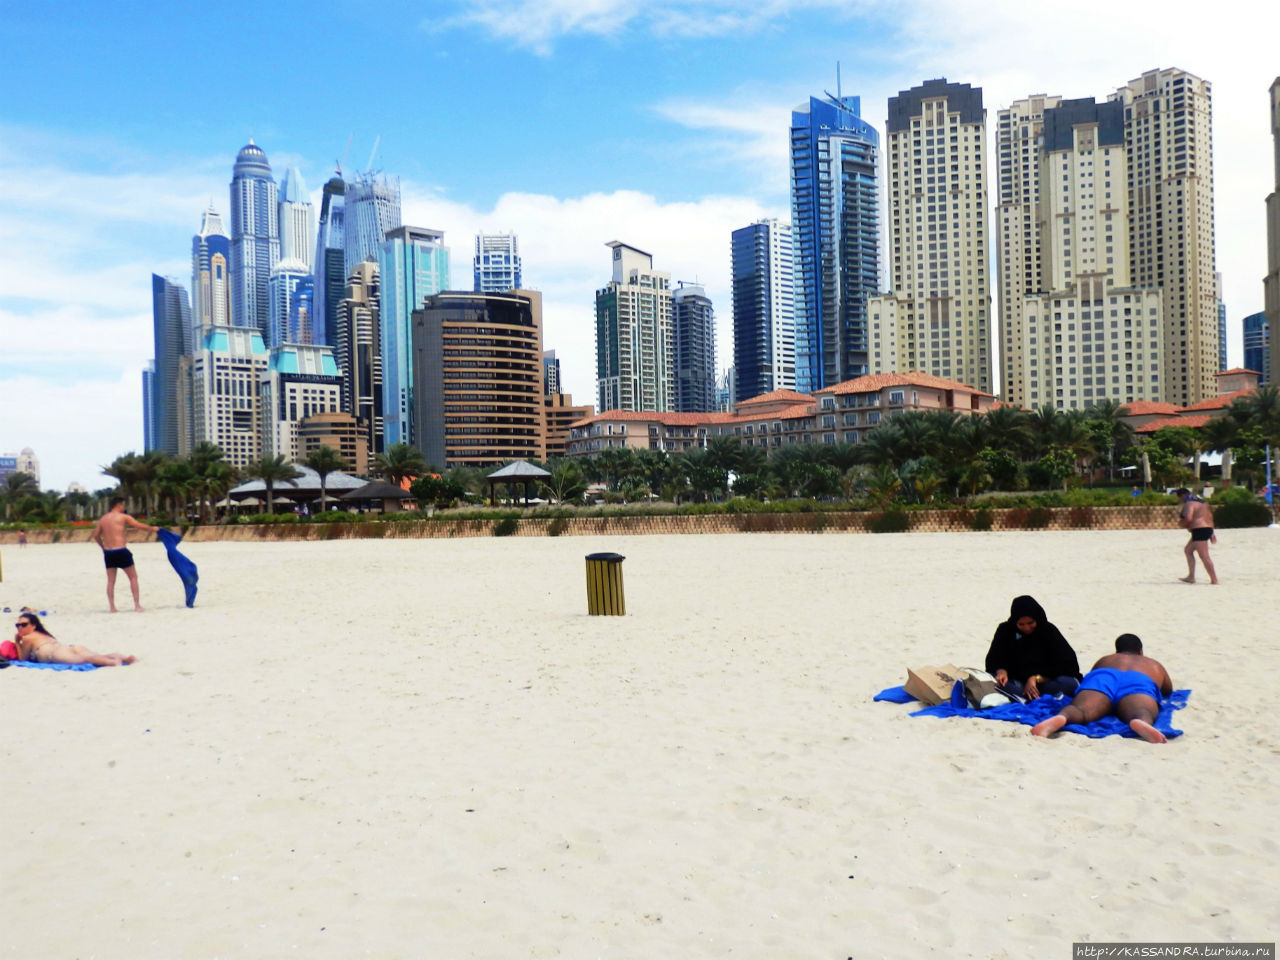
[118, 559]
[1201, 533]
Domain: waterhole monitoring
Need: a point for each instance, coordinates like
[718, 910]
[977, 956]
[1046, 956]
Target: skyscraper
[496, 266]
[289, 289]
[1222, 321]
[210, 279]
[300, 381]
[358, 350]
[694, 354]
[1271, 283]
[372, 209]
[938, 318]
[297, 221]
[1168, 120]
[634, 335]
[414, 264]
[1257, 353]
[550, 373]
[1087, 333]
[226, 368]
[330, 266]
[255, 238]
[764, 349]
[835, 224]
[1019, 267]
[171, 328]
[477, 371]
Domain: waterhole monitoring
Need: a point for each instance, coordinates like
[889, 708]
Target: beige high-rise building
[300, 381]
[358, 351]
[1018, 264]
[225, 370]
[1271, 285]
[1084, 333]
[1168, 126]
[635, 335]
[937, 319]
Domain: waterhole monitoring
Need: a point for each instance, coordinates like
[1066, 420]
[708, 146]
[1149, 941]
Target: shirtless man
[1125, 682]
[111, 535]
[1198, 518]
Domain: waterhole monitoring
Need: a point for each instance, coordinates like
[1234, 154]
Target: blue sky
[574, 122]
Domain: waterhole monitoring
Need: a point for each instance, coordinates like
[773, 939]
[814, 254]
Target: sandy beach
[426, 748]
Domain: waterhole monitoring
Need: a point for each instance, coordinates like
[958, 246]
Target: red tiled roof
[1220, 402]
[914, 378]
[1146, 408]
[773, 396]
[1193, 421]
[1227, 373]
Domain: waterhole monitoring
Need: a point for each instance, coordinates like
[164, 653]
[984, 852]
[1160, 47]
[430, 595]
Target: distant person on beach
[1126, 683]
[1029, 656]
[38, 645]
[111, 535]
[22, 538]
[1198, 518]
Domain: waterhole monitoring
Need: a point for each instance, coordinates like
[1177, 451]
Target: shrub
[556, 527]
[981, 519]
[1038, 518]
[1252, 513]
[891, 521]
[505, 527]
[1232, 495]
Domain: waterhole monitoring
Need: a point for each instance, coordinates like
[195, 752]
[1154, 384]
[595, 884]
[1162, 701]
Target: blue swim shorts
[1116, 684]
[120, 559]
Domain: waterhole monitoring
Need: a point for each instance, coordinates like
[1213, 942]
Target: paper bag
[932, 685]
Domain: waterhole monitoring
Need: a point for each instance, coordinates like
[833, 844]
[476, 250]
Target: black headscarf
[1042, 651]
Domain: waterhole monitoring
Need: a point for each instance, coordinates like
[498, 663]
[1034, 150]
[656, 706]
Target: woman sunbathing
[38, 645]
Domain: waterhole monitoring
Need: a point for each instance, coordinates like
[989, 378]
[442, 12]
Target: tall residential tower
[255, 237]
[1168, 128]
[371, 210]
[694, 354]
[634, 335]
[835, 224]
[297, 222]
[764, 346]
[938, 318]
[496, 266]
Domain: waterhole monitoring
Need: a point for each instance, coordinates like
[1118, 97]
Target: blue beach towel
[1042, 709]
[184, 567]
[53, 666]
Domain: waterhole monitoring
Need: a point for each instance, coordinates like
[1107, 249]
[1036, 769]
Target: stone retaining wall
[1140, 517]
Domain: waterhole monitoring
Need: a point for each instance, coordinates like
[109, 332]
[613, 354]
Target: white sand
[428, 749]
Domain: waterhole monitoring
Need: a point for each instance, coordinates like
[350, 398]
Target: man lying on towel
[1125, 682]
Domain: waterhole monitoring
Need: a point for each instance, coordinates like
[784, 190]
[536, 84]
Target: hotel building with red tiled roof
[842, 413]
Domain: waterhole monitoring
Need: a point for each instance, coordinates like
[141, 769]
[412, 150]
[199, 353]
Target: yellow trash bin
[604, 585]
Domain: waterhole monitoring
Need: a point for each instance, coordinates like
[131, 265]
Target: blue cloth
[185, 568]
[53, 666]
[1044, 708]
[1115, 684]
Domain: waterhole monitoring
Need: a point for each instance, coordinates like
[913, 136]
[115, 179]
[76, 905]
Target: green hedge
[1250, 513]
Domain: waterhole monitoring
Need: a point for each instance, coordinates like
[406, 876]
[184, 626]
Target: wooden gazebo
[518, 472]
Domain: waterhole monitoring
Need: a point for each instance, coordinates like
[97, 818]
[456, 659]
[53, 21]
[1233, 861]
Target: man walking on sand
[1125, 682]
[112, 536]
[1198, 518]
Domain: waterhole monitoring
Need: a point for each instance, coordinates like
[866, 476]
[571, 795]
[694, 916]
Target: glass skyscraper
[255, 238]
[764, 346]
[414, 264]
[210, 279]
[290, 319]
[694, 325]
[171, 326]
[496, 266]
[329, 265]
[372, 210]
[835, 214]
[297, 225]
[1257, 353]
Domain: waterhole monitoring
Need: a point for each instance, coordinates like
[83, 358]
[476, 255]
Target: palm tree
[1108, 418]
[566, 482]
[1219, 434]
[175, 482]
[272, 470]
[216, 480]
[203, 458]
[128, 474]
[400, 461]
[325, 460]
[16, 486]
[1008, 428]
